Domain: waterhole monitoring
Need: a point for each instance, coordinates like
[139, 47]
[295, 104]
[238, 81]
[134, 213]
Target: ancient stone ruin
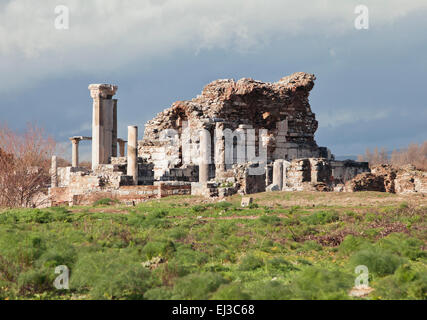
[236, 137]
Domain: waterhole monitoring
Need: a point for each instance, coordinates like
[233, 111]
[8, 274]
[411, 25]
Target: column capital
[77, 139]
[103, 90]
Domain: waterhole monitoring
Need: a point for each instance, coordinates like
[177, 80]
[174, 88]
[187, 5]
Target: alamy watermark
[362, 20]
[62, 282]
[362, 280]
[62, 20]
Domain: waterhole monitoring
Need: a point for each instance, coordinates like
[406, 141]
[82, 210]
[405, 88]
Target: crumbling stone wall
[282, 108]
[385, 178]
[312, 174]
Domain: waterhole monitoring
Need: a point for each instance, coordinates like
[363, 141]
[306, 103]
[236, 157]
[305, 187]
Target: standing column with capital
[75, 151]
[103, 122]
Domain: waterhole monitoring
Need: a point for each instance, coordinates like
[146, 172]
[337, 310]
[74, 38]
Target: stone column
[114, 131]
[219, 149]
[132, 169]
[54, 172]
[205, 155]
[122, 144]
[278, 173]
[102, 122]
[75, 152]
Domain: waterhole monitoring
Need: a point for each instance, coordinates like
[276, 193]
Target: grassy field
[284, 246]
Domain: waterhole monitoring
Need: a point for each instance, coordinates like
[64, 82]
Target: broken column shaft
[54, 172]
[132, 166]
[278, 173]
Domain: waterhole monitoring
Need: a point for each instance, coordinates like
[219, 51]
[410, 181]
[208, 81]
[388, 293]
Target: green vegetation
[183, 248]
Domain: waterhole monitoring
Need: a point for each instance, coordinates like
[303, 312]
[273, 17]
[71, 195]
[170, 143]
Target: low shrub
[199, 208]
[280, 264]
[321, 217]
[379, 261]
[351, 244]
[270, 290]
[114, 274]
[250, 262]
[311, 245]
[315, 283]
[158, 248]
[269, 219]
[104, 202]
[232, 291]
[161, 293]
[197, 286]
[408, 282]
[403, 245]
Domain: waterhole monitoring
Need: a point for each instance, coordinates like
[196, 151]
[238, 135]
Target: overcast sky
[371, 86]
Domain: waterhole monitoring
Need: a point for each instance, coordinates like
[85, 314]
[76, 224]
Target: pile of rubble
[385, 178]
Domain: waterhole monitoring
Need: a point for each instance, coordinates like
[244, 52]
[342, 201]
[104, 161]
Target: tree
[414, 154]
[24, 166]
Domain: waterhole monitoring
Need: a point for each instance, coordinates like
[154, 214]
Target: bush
[198, 208]
[232, 291]
[273, 220]
[36, 215]
[352, 244]
[223, 205]
[379, 261]
[197, 286]
[250, 262]
[189, 257]
[409, 282]
[253, 205]
[56, 255]
[35, 281]
[311, 245]
[158, 248]
[270, 290]
[161, 293]
[403, 245]
[322, 284]
[321, 217]
[155, 219]
[115, 274]
[105, 202]
[280, 264]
